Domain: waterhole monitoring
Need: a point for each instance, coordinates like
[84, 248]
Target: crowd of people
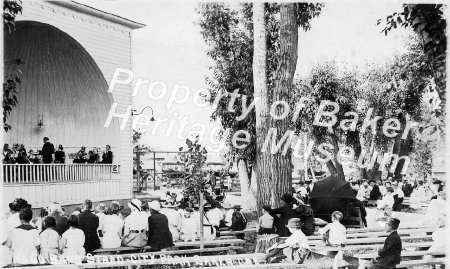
[48, 154]
[55, 233]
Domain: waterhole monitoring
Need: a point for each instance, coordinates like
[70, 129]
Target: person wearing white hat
[174, 218]
[55, 210]
[136, 226]
[159, 236]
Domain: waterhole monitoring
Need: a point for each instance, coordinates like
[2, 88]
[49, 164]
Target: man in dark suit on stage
[107, 156]
[390, 254]
[47, 151]
[88, 222]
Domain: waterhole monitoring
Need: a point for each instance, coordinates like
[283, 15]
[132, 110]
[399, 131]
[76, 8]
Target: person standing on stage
[47, 151]
[107, 156]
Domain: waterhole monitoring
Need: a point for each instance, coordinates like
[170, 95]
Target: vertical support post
[202, 237]
[154, 170]
[138, 168]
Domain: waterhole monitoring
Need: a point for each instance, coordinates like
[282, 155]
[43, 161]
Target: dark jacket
[61, 223]
[47, 150]
[159, 235]
[107, 157]
[88, 223]
[390, 254]
[307, 218]
[287, 213]
[60, 157]
[375, 193]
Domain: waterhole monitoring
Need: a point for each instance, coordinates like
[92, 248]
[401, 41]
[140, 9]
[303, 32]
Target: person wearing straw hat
[296, 247]
[174, 219]
[136, 226]
[188, 227]
[159, 236]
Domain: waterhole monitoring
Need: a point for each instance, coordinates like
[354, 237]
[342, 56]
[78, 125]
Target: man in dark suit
[47, 151]
[88, 223]
[390, 254]
[107, 157]
[286, 212]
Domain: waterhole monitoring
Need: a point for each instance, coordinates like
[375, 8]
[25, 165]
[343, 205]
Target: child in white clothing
[189, 226]
[334, 233]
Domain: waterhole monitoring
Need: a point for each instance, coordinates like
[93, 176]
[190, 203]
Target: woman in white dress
[174, 218]
[72, 240]
[112, 228]
[49, 239]
[136, 226]
[384, 207]
[209, 232]
[435, 210]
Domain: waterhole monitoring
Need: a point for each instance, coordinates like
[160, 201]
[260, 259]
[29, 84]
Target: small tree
[10, 10]
[194, 160]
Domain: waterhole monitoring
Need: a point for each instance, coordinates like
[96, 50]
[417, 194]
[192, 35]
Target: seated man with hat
[390, 254]
[295, 249]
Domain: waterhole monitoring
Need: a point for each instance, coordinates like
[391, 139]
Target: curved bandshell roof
[62, 82]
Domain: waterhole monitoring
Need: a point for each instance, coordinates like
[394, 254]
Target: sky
[171, 50]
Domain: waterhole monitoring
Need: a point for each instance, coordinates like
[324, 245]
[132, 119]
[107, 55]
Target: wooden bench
[363, 259]
[248, 260]
[380, 229]
[365, 241]
[369, 256]
[378, 234]
[228, 232]
[231, 242]
[412, 263]
[326, 249]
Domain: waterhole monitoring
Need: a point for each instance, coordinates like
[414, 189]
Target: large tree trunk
[248, 196]
[281, 166]
[262, 171]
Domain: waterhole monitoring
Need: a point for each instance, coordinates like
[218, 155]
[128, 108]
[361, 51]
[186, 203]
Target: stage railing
[45, 173]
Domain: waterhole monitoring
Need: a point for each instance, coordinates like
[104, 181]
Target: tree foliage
[428, 22]
[12, 80]
[139, 149]
[194, 159]
[229, 36]
[10, 10]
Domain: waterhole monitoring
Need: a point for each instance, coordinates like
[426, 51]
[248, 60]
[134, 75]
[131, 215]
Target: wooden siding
[109, 44]
[61, 82]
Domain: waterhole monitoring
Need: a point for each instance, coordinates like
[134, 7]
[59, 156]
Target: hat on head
[389, 189]
[114, 209]
[237, 207]
[294, 223]
[101, 207]
[394, 223]
[136, 204]
[154, 205]
[55, 207]
[169, 204]
[19, 204]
